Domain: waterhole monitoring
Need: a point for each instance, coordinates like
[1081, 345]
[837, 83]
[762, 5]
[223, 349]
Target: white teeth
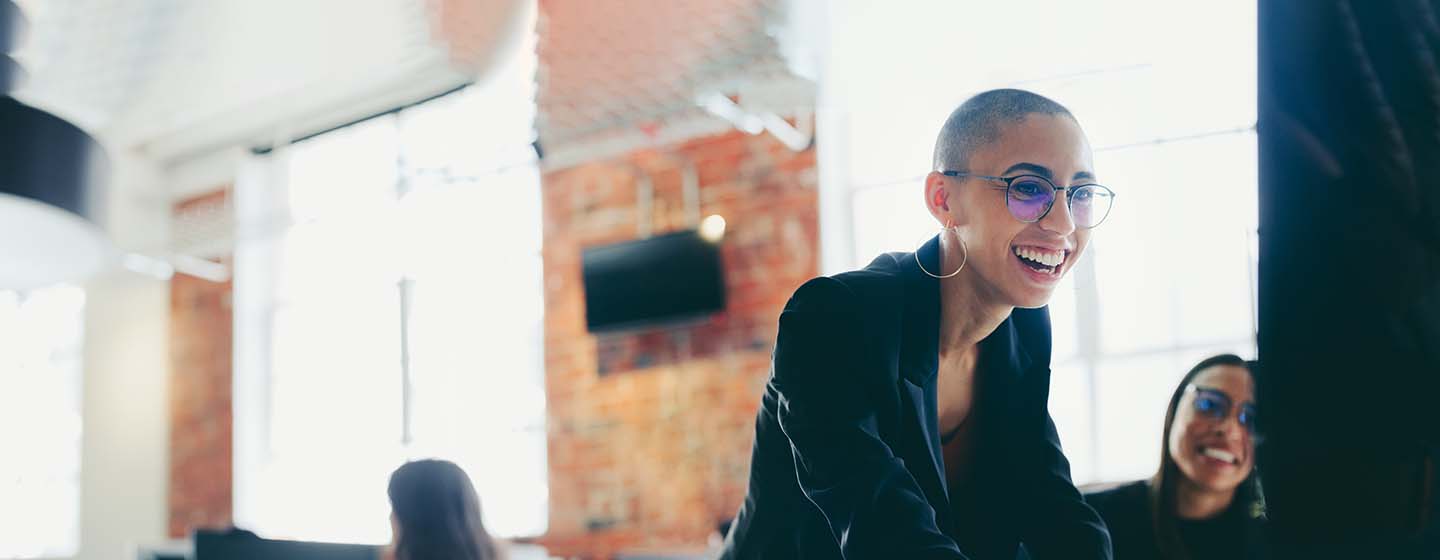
[1047, 258]
[1218, 454]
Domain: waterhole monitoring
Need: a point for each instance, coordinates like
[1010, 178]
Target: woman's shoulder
[853, 290]
[1126, 498]
[883, 274]
[1125, 508]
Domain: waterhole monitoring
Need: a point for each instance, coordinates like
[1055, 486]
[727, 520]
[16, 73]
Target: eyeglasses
[1030, 197]
[1215, 405]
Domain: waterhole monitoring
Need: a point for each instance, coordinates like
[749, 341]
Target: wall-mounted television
[660, 280]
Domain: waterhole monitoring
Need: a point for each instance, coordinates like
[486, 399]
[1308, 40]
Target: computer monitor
[243, 545]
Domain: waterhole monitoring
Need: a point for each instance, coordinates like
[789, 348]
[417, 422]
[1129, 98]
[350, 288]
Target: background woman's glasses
[1216, 405]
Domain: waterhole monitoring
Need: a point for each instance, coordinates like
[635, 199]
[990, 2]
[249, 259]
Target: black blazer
[847, 456]
[1126, 509]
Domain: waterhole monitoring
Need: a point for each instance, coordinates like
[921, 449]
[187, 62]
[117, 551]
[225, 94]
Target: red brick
[662, 451]
[200, 403]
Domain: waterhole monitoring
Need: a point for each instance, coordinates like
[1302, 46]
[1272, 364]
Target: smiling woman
[1204, 501]
[906, 413]
[1171, 279]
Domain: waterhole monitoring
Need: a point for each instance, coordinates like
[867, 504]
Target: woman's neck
[968, 313]
[1195, 502]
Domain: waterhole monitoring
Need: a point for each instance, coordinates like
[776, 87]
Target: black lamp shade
[12, 26]
[50, 175]
[11, 74]
[45, 158]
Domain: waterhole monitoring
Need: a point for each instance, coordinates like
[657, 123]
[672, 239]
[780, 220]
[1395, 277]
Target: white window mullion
[262, 217]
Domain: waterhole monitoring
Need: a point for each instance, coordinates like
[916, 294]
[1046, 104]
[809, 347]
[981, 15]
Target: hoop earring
[965, 248]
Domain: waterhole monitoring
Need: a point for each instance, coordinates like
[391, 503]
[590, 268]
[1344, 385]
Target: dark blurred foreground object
[1350, 276]
[50, 180]
[238, 544]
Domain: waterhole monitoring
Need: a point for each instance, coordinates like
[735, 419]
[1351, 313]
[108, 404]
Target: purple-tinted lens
[1082, 207]
[1029, 198]
[1212, 405]
[1090, 204]
[1247, 417]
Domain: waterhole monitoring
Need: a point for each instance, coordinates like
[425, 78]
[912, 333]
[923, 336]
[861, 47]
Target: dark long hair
[438, 513]
[1248, 499]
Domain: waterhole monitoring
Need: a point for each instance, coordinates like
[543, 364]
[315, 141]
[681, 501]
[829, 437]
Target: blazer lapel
[919, 363]
[1003, 361]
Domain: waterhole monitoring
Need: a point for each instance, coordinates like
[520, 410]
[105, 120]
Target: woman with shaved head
[905, 415]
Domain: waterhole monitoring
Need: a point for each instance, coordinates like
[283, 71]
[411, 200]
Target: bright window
[40, 424]
[395, 313]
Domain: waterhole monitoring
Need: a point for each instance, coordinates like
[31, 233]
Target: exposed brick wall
[200, 412]
[656, 451]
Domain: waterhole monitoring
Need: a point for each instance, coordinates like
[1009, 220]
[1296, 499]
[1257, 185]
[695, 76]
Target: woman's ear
[937, 197]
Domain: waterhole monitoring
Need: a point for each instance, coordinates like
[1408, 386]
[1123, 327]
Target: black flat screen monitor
[242, 545]
[659, 280]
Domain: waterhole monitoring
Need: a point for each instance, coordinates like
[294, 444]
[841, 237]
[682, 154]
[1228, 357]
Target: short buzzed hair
[977, 122]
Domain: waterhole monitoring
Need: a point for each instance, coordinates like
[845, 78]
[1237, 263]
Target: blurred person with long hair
[1204, 502]
[435, 515]
[905, 415]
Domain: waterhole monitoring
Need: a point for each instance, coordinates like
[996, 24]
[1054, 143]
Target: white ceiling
[622, 74]
[174, 79]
